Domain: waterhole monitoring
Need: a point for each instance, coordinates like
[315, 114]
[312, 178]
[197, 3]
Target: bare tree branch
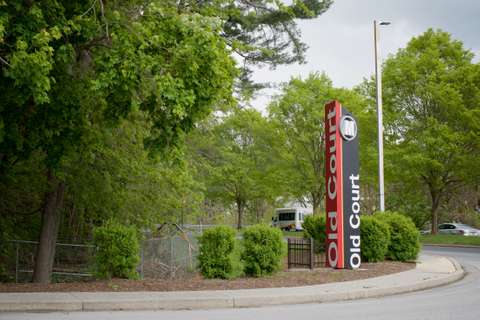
[5, 62]
[92, 7]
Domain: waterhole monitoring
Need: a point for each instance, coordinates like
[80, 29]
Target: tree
[234, 158]
[66, 65]
[260, 32]
[298, 114]
[72, 71]
[432, 92]
[114, 177]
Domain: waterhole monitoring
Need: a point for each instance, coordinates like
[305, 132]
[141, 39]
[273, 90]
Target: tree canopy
[298, 114]
[68, 68]
[235, 157]
[432, 92]
[98, 95]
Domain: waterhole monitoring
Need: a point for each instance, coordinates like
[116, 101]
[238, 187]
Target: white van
[290, 219]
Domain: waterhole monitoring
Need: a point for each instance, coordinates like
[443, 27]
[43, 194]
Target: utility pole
[378, 77]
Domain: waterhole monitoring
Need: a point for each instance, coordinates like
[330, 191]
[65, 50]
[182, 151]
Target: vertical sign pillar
[342, 184]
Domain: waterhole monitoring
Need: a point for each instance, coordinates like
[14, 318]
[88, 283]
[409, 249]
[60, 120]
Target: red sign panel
[333, 179]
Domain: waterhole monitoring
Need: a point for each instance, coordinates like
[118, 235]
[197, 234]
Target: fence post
[142, 261]
[312, 257]
[16, 262]
[172, 255]
[289, 252]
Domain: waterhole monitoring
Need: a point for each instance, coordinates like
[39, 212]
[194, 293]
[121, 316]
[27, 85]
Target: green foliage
[298, 117]
[21, 201]
[405, 197]
[267, 28]
[118, 251]
[263, 250]
[432, 117]
[218, 257]
[100, 95]
[114, 177]
[404, 237]
[6, 250]
[237, 262]
[74, 72]
[176, 67]
[233, 157]
[314, 226]
[66, 70]
[261, 32]
[375, 238]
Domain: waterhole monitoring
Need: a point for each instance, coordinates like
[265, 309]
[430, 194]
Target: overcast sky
[341, 40]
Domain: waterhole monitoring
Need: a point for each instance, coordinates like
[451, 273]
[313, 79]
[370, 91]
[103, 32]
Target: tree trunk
[434, 212]
[240, 213]
[49, 231]
[315, 203]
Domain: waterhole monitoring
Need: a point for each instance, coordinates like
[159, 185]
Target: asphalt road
[460, 300]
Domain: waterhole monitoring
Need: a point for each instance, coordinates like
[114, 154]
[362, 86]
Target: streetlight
[378, 77]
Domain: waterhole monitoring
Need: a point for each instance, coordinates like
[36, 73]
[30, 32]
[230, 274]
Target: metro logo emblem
[343, 191]
[348, 128]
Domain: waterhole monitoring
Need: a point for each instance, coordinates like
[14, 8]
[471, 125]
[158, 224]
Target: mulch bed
[197, 282]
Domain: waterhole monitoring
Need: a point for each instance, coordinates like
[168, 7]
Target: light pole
[378, 77]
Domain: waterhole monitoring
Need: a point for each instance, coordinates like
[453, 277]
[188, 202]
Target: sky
[340, 41]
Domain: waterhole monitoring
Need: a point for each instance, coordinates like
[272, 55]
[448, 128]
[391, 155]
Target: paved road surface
[460, 300]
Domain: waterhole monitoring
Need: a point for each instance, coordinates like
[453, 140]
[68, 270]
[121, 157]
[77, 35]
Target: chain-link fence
[171, 253]
[169, 257]
[71, 263]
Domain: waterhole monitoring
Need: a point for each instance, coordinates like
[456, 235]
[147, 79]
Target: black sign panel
[351, 190]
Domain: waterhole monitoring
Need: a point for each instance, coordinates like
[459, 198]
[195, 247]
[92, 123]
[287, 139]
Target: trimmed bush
[117, 251]
[314, 227]
[218, 257]
[263, 250]
[375, 238]
[404, 236]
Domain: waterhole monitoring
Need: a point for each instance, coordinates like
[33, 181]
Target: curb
[244, 298]
[450, 245]
[354, 295]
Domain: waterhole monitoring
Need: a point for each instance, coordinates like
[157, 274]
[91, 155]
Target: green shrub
[237, 263]
[375, 237]
[263, 250]
[218, 256]
[118, 251]
[314, 227]
[404, 236]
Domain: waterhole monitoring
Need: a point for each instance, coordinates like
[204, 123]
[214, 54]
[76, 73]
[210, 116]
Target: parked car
[458, 228]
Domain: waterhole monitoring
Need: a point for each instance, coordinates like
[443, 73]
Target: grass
[449, 239]
[293, 234]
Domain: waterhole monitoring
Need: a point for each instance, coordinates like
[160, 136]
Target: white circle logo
[348, 128]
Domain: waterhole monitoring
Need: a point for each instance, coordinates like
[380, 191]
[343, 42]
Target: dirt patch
[197, 282]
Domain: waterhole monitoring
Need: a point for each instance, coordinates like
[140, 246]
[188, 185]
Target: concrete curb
[40, 302]
[366, 292]
[428, 276]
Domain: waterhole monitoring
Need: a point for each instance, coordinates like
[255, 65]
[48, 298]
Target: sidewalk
[431, 271]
